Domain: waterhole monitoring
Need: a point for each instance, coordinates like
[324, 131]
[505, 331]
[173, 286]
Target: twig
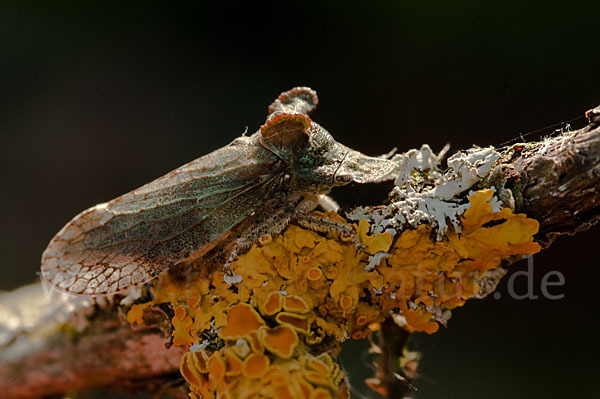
[70, 343]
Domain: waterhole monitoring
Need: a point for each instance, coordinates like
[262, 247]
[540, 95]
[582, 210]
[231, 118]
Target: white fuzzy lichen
[421, 160]
[375, 260]
[467, 168]
[424, 195]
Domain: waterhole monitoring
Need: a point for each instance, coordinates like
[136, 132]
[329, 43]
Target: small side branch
[393, 366]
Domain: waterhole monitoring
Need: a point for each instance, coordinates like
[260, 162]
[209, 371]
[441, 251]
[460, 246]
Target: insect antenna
[339, 166]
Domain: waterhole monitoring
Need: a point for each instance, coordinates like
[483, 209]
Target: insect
[217, 204]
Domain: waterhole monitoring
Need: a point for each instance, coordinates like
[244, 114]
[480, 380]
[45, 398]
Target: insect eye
[343, 178]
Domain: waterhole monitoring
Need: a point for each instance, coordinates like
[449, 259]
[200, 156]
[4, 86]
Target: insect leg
[323, 224]
[270, 219]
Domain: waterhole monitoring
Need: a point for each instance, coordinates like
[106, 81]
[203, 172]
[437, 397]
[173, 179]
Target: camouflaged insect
[218, 204]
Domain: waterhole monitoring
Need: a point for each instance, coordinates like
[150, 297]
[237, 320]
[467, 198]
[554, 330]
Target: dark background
[96, 100]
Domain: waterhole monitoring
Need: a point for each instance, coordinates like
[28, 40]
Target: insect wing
[128, 241]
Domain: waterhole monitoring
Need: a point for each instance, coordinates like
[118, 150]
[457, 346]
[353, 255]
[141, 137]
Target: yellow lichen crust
[302, 293]
[423, 274]
[226, 374]
[258, 361]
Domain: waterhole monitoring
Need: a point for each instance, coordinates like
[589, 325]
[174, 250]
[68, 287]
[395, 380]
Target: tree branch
[65, 343]
[558, 180]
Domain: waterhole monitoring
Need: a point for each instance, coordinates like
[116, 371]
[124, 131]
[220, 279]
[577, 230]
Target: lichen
[425, 195]
[261, 361]
[302, 293]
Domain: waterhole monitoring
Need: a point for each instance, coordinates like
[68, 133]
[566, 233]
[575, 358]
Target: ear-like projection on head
[311, 150]
[285, 134]
[302, 100]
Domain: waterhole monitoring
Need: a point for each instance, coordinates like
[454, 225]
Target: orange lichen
[302, 292]
[233, 364]
[193, 300]
[314, 274]
[193, 366]
[255, 365]
[345, 302]
[180, 312]
[216, 365]
[242, 319]
[320, 393]
[418, 319]
[305, 389]
[275, 375]
[298, 322]
[255, 342]
[182, 324]
[302, 377]
[303, 240]
[447, 273]
[318, 379]
[380, 242]
[296, 304]
[136, 313]
[281, 340]
[273, 304]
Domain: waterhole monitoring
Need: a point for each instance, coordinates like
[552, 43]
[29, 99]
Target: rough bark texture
[67, 344]
[391, 380]
[70, 343]
[555, 181]
[559, 182]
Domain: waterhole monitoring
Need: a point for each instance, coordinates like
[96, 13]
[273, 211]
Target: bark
[559, 182]
[68, 343]
[391, 379]
[555, 181]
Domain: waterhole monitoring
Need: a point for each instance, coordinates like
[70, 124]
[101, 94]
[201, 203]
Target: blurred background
[99, 98]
